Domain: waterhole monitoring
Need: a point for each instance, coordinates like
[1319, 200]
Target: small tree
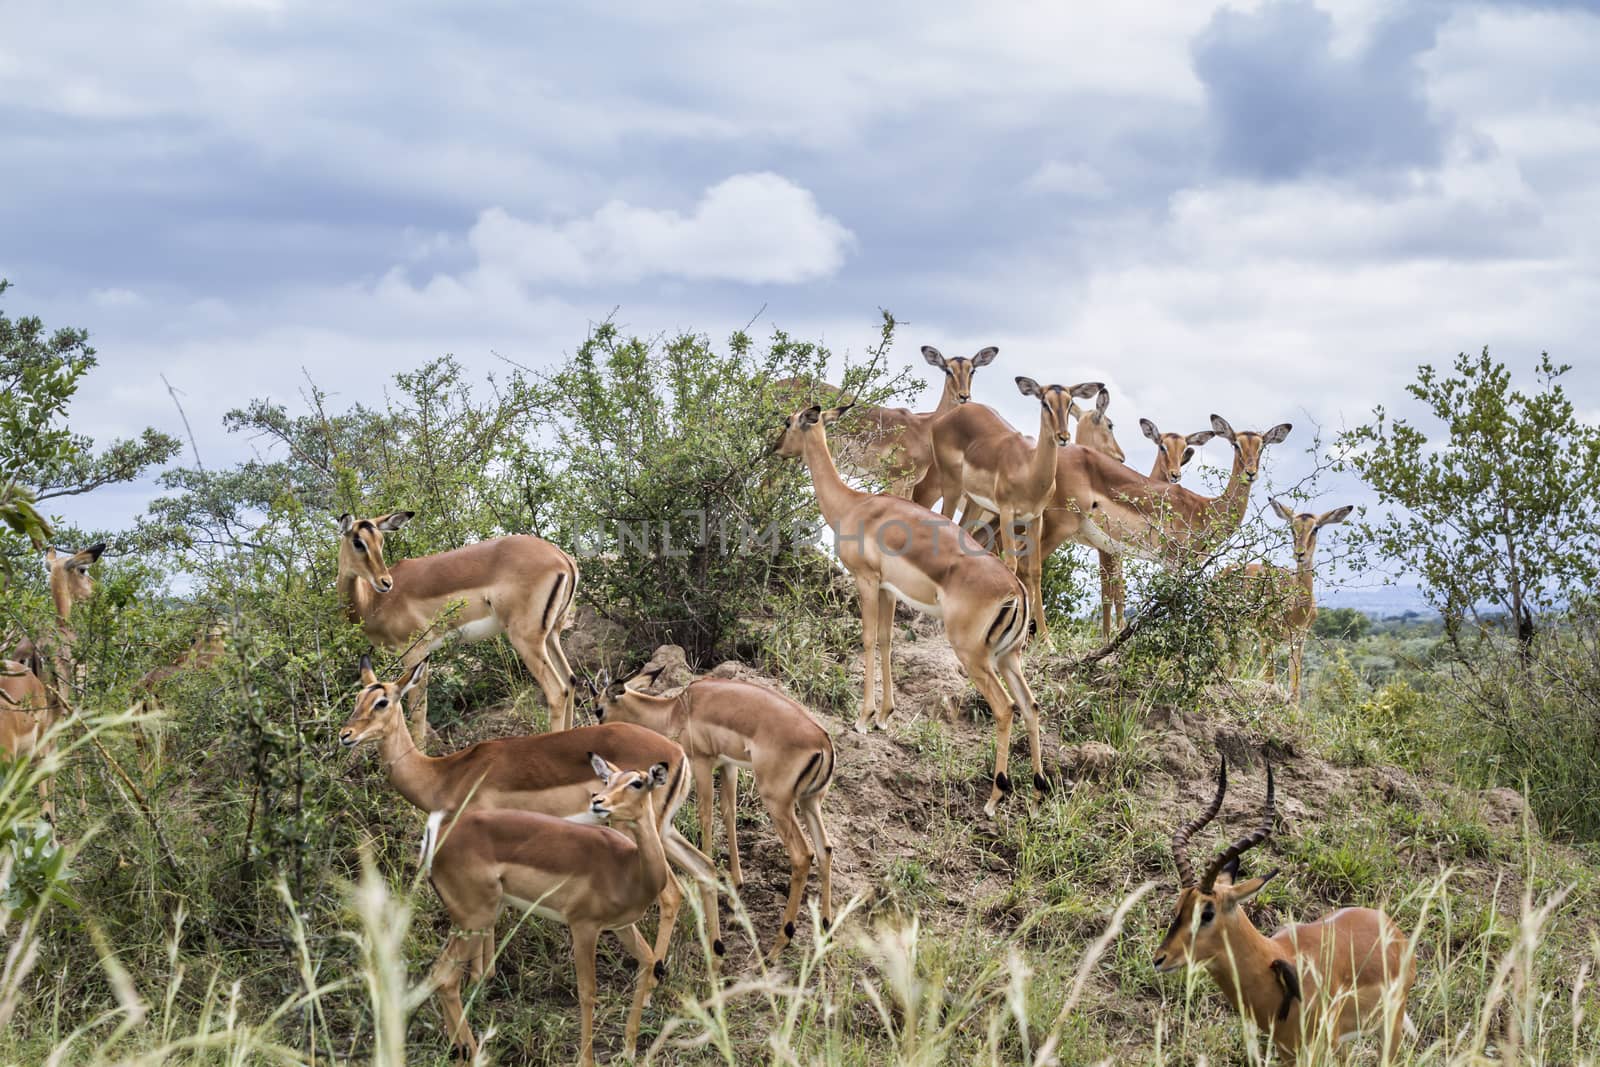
[1497, 516]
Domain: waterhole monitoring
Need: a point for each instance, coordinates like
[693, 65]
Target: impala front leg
[886, 603]
[867, 593]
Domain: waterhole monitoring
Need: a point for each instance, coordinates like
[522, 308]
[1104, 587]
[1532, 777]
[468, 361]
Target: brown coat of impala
[26, 715]
[896, 444]
[518, 585]
[897, 549]
[590, 878]
[208, 647]
[549, 773]
[986, 466]
[1321, 981]
[50, 655]
[1282, 604]
[731, 724]
[1109, 506]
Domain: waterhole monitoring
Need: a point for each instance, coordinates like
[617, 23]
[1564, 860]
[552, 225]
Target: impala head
[604, 694]
[1305, 525]
[1248, 445]
[792, 441]
[378, 709]
[1208, 914]
[1173, 450]
[361, 547]
[626, 794]
[958, 371]
[1095, 430]
[69, 570]
[1057, 403]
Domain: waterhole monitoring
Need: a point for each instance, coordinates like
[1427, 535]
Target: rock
[1179, 757]
[592, 642]
[671, 667]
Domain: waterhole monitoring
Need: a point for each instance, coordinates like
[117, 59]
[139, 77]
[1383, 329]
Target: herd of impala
[577, 824]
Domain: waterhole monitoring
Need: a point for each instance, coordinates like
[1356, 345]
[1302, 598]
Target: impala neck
[653, 713]
[1227, 510]
[948, 400]
[647, 835]
[833, 495]
[62, 595]
[1042, 468]
[1306, 574]
[357, 596]
[1244, 972]
[413, 773]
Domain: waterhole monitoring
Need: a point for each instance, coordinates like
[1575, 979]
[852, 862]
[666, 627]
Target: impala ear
[92, 552]
[1027, 386]
[602, 769]
[1200, 437]
[367, 676]
[1328, 518]
[1188, 454]
[50, 555]
[985, 356]
[658, 776]
[1090, 390]
[1150, 430]
[934, 357]
[413, 676]
[393, 521]
[1277, 433]
[1220, 425]
[1102, 402]
[347, 523]
[831, 416]
[810, 415]
[1283, 513]
[1241, 892]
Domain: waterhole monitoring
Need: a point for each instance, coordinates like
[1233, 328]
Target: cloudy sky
[1272, 210]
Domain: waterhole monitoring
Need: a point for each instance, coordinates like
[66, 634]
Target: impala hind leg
[668, 904]
[867, 593]
[1011, 668]
[531, 650]
[983, 675]
[811, 811]
[557, 659]
[885, 647]
[1033, 585]
[705, 803]
[698, 866]
[781, 812]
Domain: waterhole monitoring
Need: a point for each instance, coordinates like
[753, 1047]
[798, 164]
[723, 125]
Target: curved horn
[1243, 844]
[1180, 840]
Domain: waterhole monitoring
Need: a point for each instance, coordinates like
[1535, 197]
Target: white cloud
[115, 297]
[751, 228]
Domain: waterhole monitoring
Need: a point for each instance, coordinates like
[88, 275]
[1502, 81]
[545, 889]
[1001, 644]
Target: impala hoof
[827, 924]
[862, 726]
[661, 970]
[717, 948]
[1002, 783]
[1041, 784]
[788, 931]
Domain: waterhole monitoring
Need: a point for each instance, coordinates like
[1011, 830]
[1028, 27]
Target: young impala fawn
[730, 724]
[589, 877]
[1331, 979]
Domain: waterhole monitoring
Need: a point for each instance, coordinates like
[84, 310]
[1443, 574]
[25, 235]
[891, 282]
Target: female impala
[895, 548]
[519, 585]
[548, 773]
[591, 878]
[26, 715]
[50, 657]
[1333, 978]
[983, 464]
[733, 724]
[1283, 604]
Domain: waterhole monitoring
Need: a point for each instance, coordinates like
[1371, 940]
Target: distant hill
[1380, 601]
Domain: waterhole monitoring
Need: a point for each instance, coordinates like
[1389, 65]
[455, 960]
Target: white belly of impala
[479, 629]
[538, 909]
[983, 502]
[936, 610]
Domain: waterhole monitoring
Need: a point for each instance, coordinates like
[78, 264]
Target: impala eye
[638, 784]
[383, 702]
[1207, 915]
[360, 546]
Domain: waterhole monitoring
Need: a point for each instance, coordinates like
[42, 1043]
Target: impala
[731, 724]
[208, 647]
[1173, 450]
[1108, 506]
[547, 773]
[519, 585]
[26, 715]
[1284, 603]
[1096, 432]
[590, 878]
[50, 657]
[1351, 970]
[984, 464]
[895, 444]
[895, 548]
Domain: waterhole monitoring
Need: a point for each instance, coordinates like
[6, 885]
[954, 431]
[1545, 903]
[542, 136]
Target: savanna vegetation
[223, 884]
